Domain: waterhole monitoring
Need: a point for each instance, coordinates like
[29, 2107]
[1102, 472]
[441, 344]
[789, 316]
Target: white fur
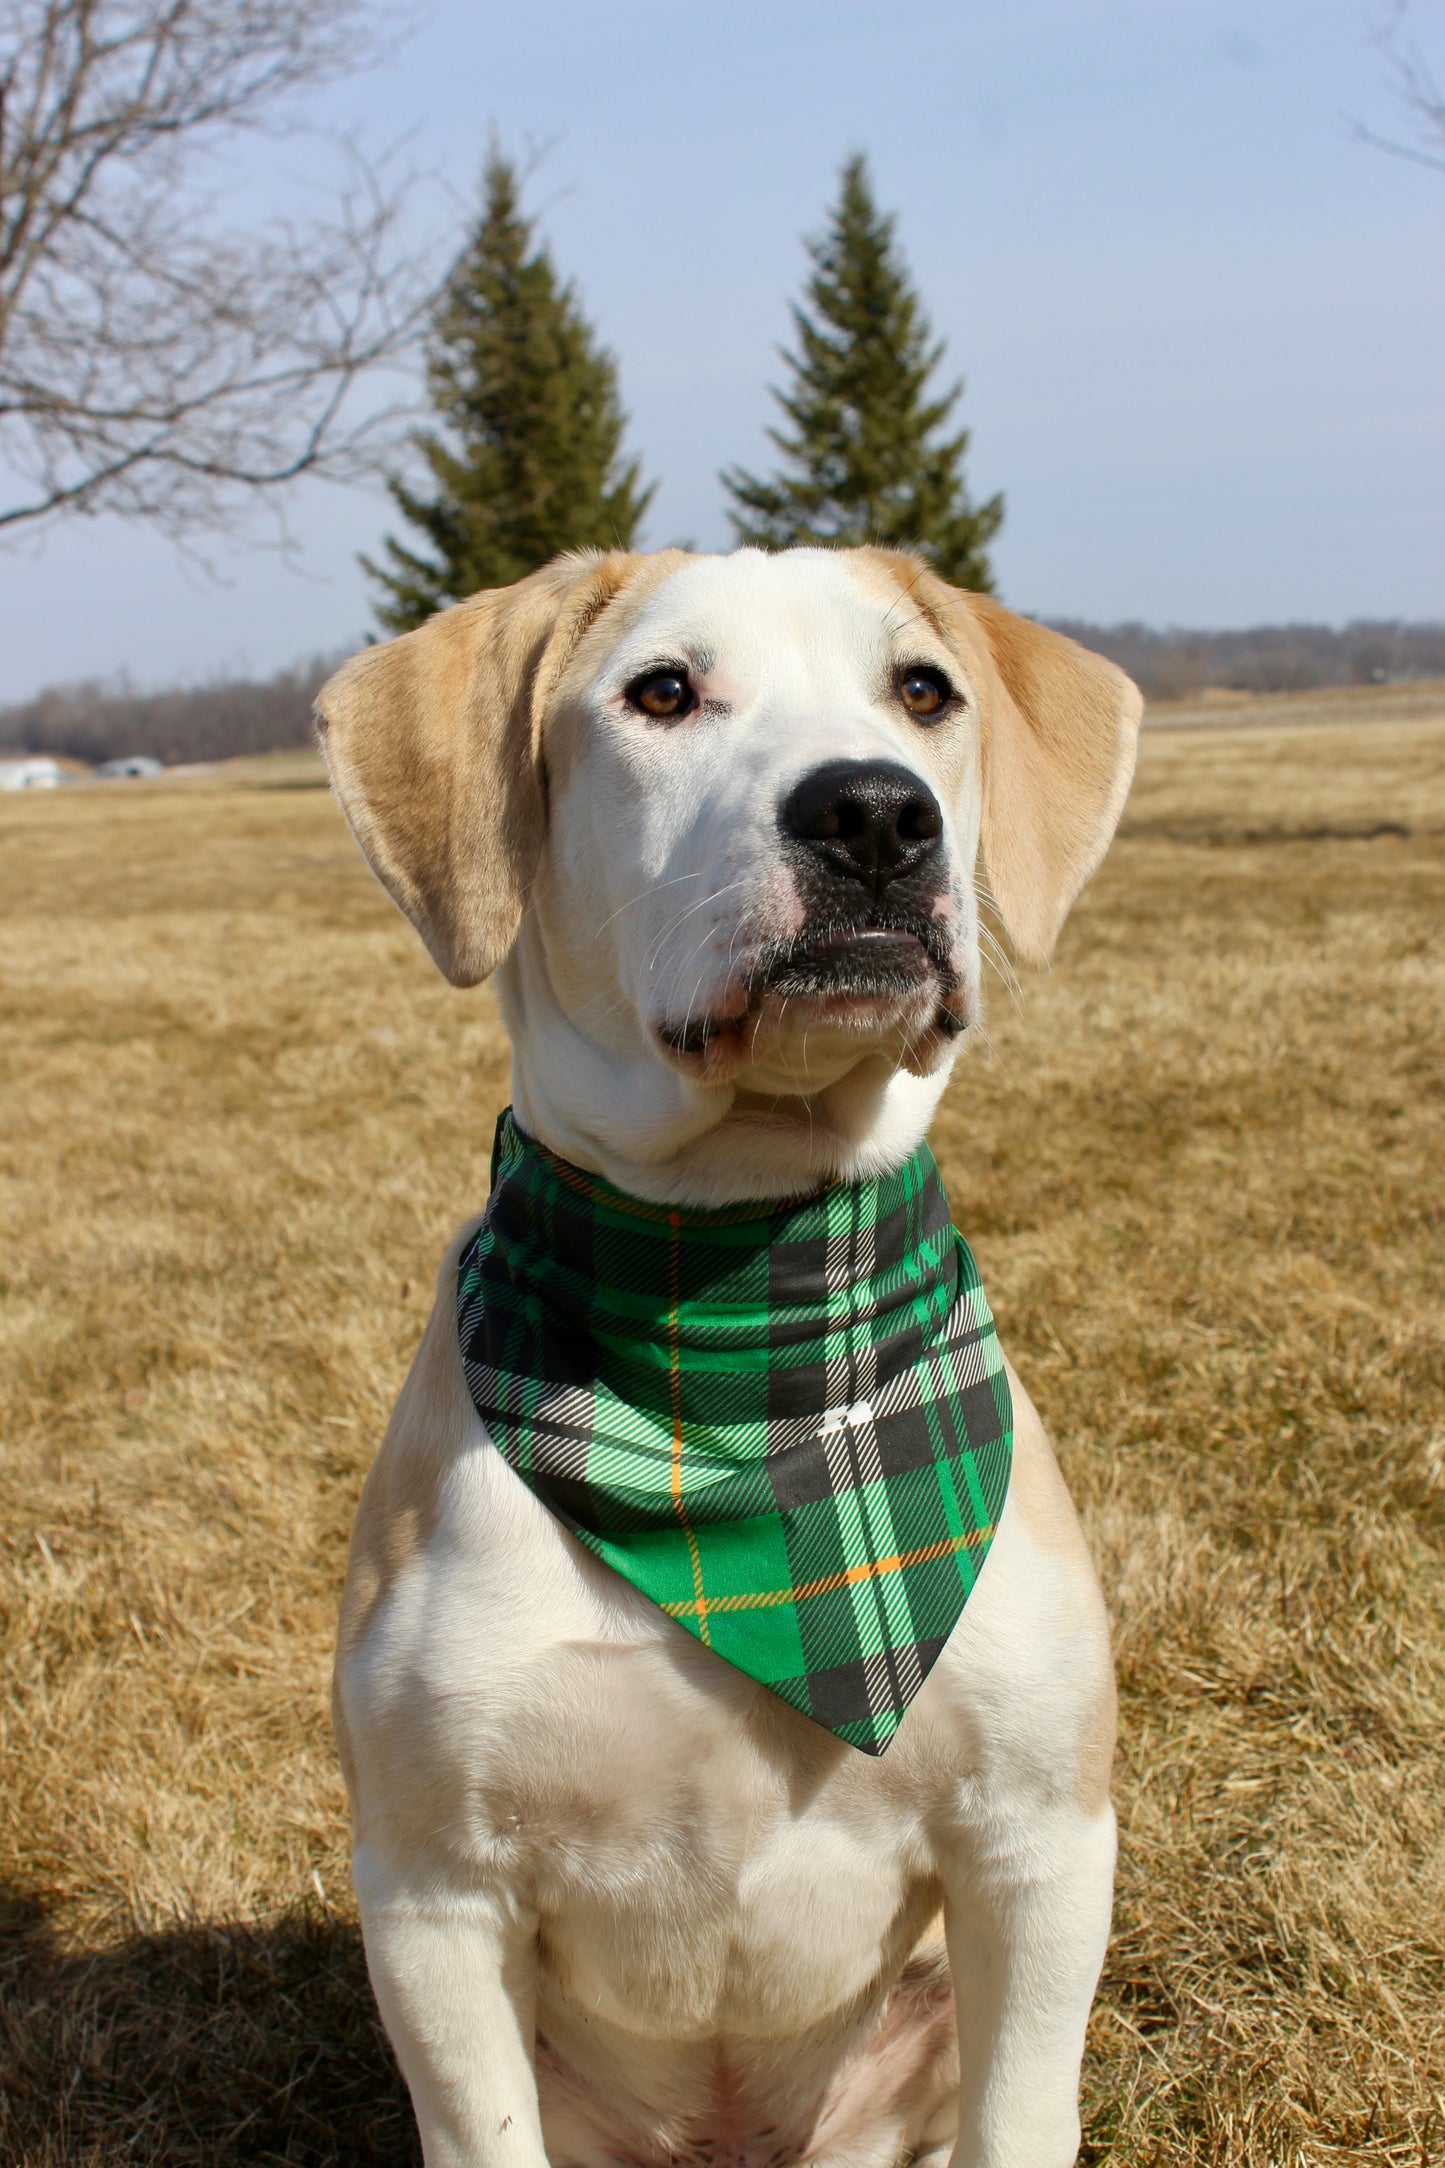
[575, 1825]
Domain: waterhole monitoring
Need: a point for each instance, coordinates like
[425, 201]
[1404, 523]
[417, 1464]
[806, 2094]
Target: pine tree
[869, 463]
[525, 451]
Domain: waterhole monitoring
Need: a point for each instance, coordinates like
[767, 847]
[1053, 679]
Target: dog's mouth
[868, 964]
[866, 979]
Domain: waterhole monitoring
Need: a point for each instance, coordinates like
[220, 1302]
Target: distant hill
[219, 722]
[1173, 665]
[202, 722]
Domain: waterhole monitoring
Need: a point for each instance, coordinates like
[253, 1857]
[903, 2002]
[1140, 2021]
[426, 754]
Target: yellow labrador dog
[621, 1903]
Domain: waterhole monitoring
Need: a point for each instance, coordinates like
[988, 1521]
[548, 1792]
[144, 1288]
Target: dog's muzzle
[864, 842]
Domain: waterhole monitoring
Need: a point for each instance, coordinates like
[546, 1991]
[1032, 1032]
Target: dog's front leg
[455, 1978]
[1027, 1922]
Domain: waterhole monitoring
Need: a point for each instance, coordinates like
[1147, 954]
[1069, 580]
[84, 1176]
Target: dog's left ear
[434, 747]
[1061, 730]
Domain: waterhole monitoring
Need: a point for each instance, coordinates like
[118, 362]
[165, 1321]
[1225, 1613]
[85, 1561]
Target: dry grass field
[1204, 1170]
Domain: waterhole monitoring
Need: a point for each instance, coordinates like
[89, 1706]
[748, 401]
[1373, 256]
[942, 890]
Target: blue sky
[1202, 326]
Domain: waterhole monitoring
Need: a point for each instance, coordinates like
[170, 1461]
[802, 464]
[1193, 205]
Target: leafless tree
[155, 360]
[1415, 85]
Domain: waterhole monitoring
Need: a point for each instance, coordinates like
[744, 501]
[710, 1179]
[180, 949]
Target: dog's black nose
[870, 820]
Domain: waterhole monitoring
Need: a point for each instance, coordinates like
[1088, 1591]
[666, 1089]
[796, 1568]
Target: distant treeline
[1266, 658]
[219, 722]
[203, 722]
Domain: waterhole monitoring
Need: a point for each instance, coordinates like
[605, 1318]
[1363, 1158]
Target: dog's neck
[608, 1102]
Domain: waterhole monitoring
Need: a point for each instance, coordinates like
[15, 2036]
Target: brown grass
[1203, 1175]
[1219, 707]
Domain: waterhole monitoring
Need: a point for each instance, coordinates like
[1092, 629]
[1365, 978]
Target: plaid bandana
[789, 1427]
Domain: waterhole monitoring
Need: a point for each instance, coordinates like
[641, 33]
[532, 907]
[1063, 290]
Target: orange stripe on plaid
[698, 1606]
[768, 1599]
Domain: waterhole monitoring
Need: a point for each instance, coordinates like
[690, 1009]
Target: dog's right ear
[433, 745]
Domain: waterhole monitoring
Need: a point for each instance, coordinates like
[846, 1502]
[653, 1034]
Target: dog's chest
[699, 1904]
[695, 1910]
[699, 1856]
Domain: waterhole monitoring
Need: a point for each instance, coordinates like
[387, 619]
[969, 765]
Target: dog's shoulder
[1021, 1700]
[432, 1423]
[1045, 1566]
[1037, 1488]
[458, 1577]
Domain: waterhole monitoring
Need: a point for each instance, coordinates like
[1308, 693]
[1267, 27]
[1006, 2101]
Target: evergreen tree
[525, 452]
[868, 461]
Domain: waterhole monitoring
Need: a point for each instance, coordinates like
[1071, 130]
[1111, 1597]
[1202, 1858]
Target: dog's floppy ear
[1061, 729]
[433, 745]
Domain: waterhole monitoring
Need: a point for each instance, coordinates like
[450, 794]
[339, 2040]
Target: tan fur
[1043, 1500]
[396, 1517]
[1037, 1488]
[1061, 727]
[1098, 1737]
[1058, 760]
[434, 747]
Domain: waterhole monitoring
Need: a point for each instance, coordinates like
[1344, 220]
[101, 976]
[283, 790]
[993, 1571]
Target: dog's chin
[823, 1004]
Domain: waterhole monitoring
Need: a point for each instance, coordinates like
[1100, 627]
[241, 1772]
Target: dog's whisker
[993, 954]
[645, 894]
[683, 916]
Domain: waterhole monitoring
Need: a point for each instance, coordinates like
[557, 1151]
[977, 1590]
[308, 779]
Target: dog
[718, 825]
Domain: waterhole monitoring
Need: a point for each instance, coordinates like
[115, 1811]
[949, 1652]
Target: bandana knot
[789, 1426]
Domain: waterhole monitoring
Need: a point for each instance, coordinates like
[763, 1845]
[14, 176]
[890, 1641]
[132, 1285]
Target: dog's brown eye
[925, 694]
[665, 694]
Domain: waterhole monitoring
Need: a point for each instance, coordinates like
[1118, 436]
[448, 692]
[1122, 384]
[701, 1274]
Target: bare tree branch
[153, 362]
[1417, 90]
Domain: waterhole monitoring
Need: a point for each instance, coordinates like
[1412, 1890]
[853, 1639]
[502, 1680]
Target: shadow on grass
[200, 2046]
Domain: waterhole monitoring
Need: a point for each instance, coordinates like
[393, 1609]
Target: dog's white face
[746, 949]
[757, 880]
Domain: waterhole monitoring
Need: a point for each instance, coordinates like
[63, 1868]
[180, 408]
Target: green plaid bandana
[789, 1427]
